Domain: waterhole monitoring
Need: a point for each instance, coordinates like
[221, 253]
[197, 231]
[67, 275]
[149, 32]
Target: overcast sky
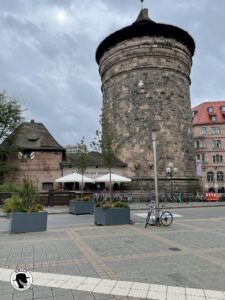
[47, 55]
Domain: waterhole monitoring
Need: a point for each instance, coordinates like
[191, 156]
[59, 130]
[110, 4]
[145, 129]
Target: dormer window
[210, 109]
[194, 112]
[222, 108]
[213, 118]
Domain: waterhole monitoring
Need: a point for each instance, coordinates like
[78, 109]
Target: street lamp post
[171, 171]
[155, 175]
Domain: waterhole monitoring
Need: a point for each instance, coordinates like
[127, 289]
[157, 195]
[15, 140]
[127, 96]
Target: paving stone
[43, 293]
[25, 295]
[78, 295]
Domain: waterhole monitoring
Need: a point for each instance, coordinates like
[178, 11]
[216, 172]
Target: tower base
[166, 185]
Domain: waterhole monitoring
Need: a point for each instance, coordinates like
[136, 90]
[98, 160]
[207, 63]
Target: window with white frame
[213, 118]
[210, 176]
[194, 112]
[200, 157]
[217, 158]
[223, 108]
[199, 144]
[216, 143]
[203, 130]
[215, 130]
[220, 176]
[210, 109]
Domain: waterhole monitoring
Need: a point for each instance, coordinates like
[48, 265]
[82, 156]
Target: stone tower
[145, 70]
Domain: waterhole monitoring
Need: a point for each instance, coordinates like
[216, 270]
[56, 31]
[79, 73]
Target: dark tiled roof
[203, 116]
[144, 26]
[94, 159]
[32, 136]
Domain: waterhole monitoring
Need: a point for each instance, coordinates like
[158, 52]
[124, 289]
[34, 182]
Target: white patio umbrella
[74, 177]
[114, 178]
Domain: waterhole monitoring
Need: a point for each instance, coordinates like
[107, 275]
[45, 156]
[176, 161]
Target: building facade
[145, 71]
[37, 156]
[96, 167]
[208, 121]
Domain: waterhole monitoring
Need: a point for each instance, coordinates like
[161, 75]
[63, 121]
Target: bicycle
[165, 217]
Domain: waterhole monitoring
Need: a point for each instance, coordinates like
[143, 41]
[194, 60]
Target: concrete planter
[81, 207]
[28, 222]
[112, 216]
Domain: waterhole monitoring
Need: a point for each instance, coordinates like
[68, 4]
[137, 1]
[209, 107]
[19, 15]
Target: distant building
[208, 121]
[37, 156]
[70, 148]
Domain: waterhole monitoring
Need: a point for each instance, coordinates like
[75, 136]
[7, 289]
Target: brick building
[37, 156]
[208, 121]
[145, 69]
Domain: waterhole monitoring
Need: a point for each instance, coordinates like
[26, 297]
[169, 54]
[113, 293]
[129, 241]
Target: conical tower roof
[144, 26]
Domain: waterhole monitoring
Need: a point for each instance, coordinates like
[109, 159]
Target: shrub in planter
[26, 214]
[116, 213]
[83, 205]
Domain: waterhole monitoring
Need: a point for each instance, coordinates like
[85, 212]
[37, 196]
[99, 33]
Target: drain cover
[174, 249]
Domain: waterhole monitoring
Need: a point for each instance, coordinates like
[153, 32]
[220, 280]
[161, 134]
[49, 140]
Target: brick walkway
[184, 261]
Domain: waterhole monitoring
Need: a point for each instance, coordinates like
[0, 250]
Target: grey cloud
[50, 66]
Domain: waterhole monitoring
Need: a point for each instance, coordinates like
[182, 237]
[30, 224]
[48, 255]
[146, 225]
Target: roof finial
[142, 1]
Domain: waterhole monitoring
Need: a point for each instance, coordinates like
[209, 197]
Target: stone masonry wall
[146, 79]
[45, 167]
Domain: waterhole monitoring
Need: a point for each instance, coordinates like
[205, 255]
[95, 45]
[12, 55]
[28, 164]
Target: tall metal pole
[155, 176]
[171, 172]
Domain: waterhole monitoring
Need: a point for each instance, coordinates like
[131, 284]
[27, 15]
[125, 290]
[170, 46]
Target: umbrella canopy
[74, 177]
[114, 178]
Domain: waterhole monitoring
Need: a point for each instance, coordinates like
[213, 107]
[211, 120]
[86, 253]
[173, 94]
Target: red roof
[201, 115]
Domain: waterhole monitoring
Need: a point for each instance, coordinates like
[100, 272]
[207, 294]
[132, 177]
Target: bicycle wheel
[166, 218]
[147, 219]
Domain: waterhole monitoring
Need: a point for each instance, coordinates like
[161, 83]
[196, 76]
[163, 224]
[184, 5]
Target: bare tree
[81, 151]
[105, 143]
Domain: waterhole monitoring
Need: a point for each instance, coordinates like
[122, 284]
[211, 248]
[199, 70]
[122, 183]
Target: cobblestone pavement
[190, 254]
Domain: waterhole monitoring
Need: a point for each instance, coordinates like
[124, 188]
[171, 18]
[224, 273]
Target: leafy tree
[10, 118]
[10, 115]
[81, 151]
[105, 143]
